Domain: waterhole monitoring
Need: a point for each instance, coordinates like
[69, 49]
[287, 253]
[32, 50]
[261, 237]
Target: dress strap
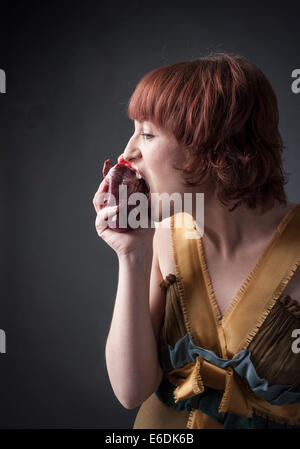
[268, 282]
[269, 279]
[198, 316]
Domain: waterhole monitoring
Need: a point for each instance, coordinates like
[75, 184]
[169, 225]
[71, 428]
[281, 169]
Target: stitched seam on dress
[245, 286]
[208, 282]
[189, 422]
[180, 282]
[273, 300]
[227, 390]
[211, 297]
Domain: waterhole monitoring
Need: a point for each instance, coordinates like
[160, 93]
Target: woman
[203, 328]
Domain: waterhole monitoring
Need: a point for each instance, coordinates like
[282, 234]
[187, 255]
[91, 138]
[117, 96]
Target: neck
[228, 231]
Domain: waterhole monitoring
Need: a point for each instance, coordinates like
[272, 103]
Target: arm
[131, 348]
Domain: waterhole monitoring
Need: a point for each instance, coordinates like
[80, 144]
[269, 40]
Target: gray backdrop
[71, 67]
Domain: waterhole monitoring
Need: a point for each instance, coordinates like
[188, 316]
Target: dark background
[71, 67]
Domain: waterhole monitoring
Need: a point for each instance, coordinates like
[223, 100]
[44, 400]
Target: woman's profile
[204, 329]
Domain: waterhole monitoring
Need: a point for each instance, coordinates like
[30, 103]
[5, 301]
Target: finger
[103, 215]
[102, 197]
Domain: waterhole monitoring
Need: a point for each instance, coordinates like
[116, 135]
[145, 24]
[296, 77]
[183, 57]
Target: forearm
[131, 347]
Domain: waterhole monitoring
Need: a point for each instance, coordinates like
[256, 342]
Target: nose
[131, 152]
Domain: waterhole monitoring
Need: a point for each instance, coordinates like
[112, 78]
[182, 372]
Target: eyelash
[145, 134]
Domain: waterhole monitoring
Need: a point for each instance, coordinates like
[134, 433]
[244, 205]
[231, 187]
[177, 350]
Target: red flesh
[122, 174]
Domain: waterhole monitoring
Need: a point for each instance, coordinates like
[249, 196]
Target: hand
[137, 241]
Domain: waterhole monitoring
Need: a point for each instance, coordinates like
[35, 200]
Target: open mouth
[138, 173]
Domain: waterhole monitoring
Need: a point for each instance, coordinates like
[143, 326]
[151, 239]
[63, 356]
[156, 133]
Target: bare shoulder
[163, 247]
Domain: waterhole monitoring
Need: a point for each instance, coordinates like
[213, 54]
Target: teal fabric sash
[185, 351]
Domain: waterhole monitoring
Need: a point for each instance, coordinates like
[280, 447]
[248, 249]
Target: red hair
[223, 111]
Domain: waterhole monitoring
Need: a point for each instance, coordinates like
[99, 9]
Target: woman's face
[153, 151]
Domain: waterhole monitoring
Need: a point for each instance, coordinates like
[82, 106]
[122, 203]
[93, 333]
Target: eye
[147, 136]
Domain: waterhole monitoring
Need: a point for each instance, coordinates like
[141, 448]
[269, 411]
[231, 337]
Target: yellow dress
[236, 371]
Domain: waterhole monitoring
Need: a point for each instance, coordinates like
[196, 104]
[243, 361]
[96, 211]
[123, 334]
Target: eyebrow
[144, 121]
[140, 123]
[147, 122]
